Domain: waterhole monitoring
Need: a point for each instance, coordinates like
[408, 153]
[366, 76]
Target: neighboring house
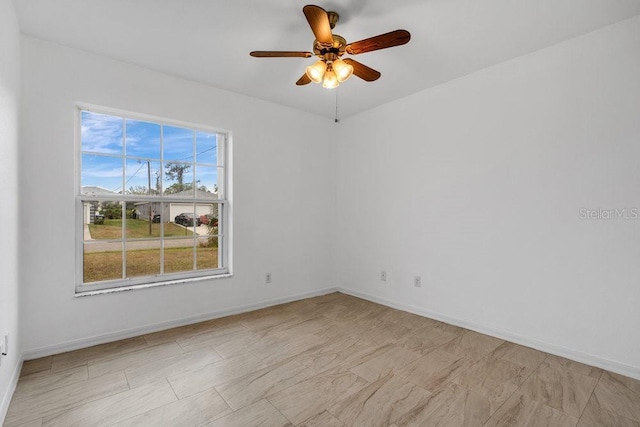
[173, 209]
[90, 209]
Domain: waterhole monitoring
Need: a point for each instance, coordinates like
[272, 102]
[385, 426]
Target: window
[152, 201]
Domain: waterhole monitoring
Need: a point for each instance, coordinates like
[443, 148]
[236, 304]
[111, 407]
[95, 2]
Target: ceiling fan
[331, 69]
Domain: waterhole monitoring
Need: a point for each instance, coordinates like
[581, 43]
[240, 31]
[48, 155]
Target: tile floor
[333, 360]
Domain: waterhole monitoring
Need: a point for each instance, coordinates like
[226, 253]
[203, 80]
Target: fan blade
[304, 80]
[319, 23]
[279, 54]
[383, 41]
[362, 71]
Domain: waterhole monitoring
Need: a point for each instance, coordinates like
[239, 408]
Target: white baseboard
[134, 332]
[588, 359]
[6, 399]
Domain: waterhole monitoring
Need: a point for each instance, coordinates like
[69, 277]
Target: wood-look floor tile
[388, 362]
[45, 381]
[559, 388]
[328, 310]
[449, 406]
[115, 408]
[196, 380]
[328, 298]
[34, 423]
[264, 320]
[208, 337]
[261, 413]
[520, 410]
[618, 395]
[315, 395]
[520, 355]
[494, 378]
[472, 346]
[595, 416]
[233, 344]
[30, 408]
[282, 345]
[148, 372]
[408, 320]
[170, 335]
[251, 388]
[386, 333]
[331, 360]
[577, 367]
[347, 352]
[347, 311]
[195, 410]
[380, 403]
[427, 339]
[97, 353]
[133, 358]
[36, 365]
[343, 330]
[311, 326]
[435, 369]
[324, 419]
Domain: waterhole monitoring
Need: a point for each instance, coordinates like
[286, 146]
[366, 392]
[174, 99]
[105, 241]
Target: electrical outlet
[383, 276]
[267, 278]
[417, 281]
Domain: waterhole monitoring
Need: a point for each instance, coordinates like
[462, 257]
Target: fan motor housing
[337, 48]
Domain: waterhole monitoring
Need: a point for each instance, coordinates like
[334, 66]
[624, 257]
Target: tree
[111, 210]
[138, 189]
[175, 172]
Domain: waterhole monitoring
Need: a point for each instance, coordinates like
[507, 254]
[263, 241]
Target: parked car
[98, 219]
[157, 218]
[187, 219]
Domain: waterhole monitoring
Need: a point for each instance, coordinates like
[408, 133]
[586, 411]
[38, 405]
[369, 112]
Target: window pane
[178, 179]
[140, 227]
[142, 177]
[177, 143]
[101, 133]
[143, 139]
[207, 253]
[207, 181]
[143, 258]
[207, 148]
[102, 261]
[101, 175]
[102, 220]
[178, 255]
[150, 211]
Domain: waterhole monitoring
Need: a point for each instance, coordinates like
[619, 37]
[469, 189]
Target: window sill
[79, 294]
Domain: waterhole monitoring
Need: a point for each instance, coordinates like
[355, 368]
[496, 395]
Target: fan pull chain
[336, 119]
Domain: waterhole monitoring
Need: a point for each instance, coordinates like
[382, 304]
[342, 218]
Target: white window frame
[162, 279]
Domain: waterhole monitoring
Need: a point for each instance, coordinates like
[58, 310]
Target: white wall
[9, 112]
[477, 186]
[280, 164]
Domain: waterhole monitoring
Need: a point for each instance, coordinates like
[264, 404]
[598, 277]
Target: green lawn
[136, 228]
[108, 265]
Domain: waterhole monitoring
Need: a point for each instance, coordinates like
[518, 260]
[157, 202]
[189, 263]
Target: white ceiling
[209, 40]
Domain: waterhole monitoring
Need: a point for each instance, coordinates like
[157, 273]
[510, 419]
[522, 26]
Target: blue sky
[103, 151]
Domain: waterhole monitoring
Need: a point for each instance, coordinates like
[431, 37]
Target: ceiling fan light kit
[330, 70]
